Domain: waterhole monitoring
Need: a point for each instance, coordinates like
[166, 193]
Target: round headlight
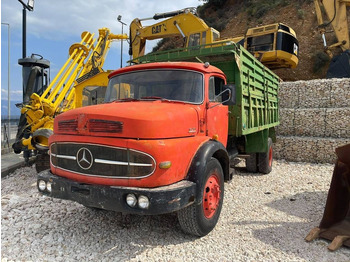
[49, 186]
[42, 185]
[143, 202]
[131, 200]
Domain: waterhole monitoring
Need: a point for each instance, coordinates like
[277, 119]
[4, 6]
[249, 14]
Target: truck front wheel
[201, 217]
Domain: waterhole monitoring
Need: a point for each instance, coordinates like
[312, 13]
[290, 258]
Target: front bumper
[165, 199]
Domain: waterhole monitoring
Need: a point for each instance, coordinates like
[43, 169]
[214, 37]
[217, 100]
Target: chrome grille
[101, 161]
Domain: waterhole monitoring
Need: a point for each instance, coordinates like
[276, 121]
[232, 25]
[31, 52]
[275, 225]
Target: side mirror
[229, 95]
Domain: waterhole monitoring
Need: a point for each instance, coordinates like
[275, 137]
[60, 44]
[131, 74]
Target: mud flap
[335, 224]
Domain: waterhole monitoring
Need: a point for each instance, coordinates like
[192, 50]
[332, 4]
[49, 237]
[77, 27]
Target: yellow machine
[81, 81]
[335, 13]
[274, 45]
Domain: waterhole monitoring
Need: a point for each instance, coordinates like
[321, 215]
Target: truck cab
[157, 144]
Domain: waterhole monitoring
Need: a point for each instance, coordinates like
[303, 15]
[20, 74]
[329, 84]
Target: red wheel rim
[211, 196]
[270, 156]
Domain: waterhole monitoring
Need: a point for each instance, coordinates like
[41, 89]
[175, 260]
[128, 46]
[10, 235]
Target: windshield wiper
[153, 97]
[128, 99]
[162, 99]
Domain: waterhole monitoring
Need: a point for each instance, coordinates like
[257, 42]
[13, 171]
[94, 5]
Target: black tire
[265, 159]
[42, 162]
[197, 219]
[251, 163]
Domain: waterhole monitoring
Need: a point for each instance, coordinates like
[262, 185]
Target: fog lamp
[143, 202]
[42, 185]
[49, 186]
[131, 200]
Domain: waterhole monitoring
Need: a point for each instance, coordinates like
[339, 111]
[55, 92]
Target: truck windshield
[175, 85]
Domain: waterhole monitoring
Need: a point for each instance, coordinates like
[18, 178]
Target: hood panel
[138, 120]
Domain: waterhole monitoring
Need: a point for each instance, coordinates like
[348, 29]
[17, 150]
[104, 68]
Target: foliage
[258, 8]
[301, 14]
[159, 44]
[166, 44]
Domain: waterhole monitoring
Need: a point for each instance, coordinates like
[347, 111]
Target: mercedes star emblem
[84, 158]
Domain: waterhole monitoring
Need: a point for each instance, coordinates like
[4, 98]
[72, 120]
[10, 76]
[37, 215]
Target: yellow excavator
[335, 12]
[275, 45]
[81, 81]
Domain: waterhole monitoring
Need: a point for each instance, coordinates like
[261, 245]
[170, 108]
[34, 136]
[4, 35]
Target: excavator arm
[183, 23]
[335, 11]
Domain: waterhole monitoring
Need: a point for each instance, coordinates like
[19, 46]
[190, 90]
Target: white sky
[56, 19]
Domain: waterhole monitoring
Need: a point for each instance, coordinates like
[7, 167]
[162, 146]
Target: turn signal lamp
[215, 137]
[165, 165]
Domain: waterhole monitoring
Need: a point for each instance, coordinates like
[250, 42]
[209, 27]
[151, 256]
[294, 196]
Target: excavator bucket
[340, 66]
[335, 224]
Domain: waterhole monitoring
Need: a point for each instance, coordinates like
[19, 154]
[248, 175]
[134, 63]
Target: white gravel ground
[264, 218]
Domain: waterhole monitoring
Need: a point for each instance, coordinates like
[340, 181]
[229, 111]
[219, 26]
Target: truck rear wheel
[251, 163]
[201, 217]
[265, 159]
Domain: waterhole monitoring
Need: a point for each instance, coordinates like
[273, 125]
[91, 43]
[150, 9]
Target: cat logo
[158, 29]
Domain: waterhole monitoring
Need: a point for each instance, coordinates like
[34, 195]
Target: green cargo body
[256, 110]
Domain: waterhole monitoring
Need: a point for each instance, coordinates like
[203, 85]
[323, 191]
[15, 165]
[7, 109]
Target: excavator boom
[182, 22]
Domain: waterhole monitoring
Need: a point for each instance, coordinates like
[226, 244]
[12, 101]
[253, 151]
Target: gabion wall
[315, 119]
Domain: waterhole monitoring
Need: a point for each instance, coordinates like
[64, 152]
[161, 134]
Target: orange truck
[166, 135]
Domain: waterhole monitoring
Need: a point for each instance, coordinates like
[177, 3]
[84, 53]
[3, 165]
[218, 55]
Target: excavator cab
[276, 45]
[203, 37]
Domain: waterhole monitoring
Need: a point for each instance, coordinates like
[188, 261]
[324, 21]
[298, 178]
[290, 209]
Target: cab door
[217, 113]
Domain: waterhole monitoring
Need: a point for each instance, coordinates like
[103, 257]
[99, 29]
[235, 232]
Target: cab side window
[215, 88]
[194, 40]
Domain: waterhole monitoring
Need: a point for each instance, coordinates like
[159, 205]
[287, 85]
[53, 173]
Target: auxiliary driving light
[42, 185]
[131, 200]
[49, 186]
[143, 202]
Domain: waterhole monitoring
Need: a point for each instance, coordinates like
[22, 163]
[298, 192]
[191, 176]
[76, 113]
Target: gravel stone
[264, 218]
